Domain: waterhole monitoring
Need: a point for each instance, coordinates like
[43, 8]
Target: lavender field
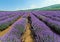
[30, 26]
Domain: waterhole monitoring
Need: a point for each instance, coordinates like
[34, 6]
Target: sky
[13, 5]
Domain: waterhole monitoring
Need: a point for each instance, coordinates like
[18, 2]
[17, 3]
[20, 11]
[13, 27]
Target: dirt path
[27, 36]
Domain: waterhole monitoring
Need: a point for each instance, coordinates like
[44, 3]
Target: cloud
[51, 2]
[30, 7]
[40, 5]
[17, 9]
[33, 6]
[44, 4]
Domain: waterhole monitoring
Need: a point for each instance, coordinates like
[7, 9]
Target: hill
[52, 7]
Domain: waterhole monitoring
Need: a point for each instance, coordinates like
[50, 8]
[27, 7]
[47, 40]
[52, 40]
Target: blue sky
[11, 5]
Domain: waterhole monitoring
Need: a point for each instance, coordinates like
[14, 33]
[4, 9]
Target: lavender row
[7, 13]
[42, 31]
[4, 24]
[48, 13]
[6, 17]
[53, 18]
[54, 25]
[16, 31]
